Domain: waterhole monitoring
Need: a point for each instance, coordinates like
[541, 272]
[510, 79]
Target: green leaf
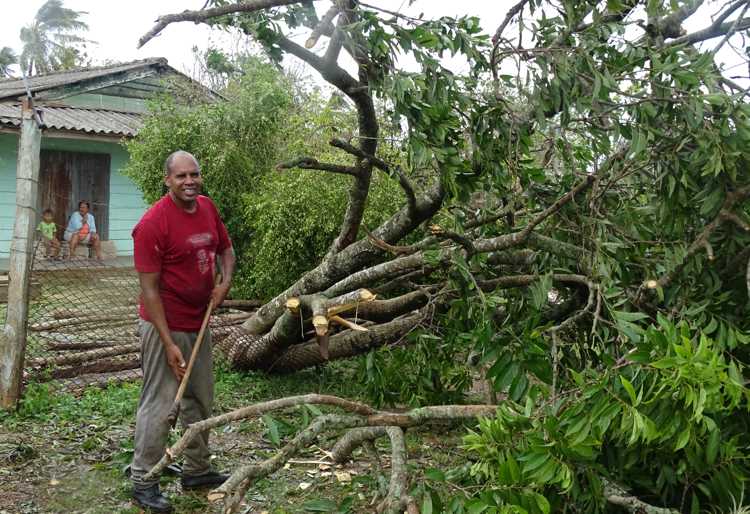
[683, 439]
[476, 507]
[629, 316]
[542, 503]
[534, 461]
[712, 447]
[435, 474]
[426, 503]
[321, 505]
[630, 389]
[273, 429]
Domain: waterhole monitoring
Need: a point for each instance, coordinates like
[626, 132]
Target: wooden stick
[175, 409]
[348, 324]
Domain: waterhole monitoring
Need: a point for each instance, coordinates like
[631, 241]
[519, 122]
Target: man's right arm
[155, 309]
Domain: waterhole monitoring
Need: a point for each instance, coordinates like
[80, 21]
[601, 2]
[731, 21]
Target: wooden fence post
[13, 336]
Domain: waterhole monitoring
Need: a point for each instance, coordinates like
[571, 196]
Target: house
[86, 114]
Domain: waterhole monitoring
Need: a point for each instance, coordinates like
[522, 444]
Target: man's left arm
[227, 270]
[92, 223]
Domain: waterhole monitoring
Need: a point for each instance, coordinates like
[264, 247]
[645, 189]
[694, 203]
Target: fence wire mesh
[83, 321]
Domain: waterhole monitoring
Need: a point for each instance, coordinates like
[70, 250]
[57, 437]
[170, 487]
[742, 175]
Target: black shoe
[151, 499]
[210, 479]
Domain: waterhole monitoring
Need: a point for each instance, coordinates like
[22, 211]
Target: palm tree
[7, 58]
[50, 41]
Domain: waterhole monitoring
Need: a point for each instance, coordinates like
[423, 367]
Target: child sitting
[47, 228]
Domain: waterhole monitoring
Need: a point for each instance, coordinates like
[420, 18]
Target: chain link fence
[83, 321]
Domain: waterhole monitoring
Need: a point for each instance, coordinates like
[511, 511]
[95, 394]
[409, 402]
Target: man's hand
[175, 361]
[219, 293]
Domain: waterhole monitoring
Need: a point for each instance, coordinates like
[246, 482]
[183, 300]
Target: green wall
[99, 101]
[8, 158]
[126, 203]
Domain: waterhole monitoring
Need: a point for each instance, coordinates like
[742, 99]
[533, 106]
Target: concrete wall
[126, 205]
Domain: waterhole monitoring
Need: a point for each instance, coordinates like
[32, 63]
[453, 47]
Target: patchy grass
[65, 453]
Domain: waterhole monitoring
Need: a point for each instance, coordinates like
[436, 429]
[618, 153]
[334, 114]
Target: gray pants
[157, 394]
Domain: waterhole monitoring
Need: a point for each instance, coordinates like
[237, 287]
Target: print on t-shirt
[200, 241]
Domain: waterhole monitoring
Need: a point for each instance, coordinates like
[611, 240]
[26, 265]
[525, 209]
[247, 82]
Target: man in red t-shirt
[177, 244]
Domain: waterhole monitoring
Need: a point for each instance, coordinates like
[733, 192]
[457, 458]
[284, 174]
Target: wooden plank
[13, 337]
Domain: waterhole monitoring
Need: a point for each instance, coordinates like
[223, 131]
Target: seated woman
[82, 229]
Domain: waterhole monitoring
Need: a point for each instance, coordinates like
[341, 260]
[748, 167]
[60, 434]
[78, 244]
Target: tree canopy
[584, 191]
[52, 41]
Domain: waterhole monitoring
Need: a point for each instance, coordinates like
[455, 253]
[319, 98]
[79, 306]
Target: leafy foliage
[601, 143]
[644, 387]
[239, 142]
[51, 42]
[7, 58]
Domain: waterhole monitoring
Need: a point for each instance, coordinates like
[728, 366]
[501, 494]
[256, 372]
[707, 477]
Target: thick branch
[388, 269]
[206, 14]
[345, 344]
[395, 498]
[252, 411]
[337, 40]
[526, 280]
[616, 495]
[384, 310]
[463, 241]
[710, 32]
[308, 163]
[403, 180]
[325, 26]
[353, 439]
[370, 416]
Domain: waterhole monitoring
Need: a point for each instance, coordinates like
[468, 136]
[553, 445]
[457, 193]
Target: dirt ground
[67, 454]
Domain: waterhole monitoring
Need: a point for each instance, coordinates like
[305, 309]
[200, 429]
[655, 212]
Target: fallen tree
[582, 194]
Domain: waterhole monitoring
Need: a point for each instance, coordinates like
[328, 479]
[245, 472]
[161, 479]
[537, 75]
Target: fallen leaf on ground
[343, 476]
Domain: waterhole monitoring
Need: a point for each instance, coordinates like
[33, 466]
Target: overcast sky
[116, 26]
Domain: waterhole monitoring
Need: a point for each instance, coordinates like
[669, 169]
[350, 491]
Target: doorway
[65, 178]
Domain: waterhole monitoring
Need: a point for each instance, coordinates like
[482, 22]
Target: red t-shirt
[183, 247]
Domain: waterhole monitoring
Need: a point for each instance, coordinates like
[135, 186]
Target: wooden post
[13, 336]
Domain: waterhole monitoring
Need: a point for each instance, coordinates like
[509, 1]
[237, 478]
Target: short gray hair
[174, 155]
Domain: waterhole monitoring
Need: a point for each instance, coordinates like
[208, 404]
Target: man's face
[83, 209]
[184, 180]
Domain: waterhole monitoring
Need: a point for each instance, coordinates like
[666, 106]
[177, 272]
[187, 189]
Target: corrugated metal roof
[13, 88]
[79, 119]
